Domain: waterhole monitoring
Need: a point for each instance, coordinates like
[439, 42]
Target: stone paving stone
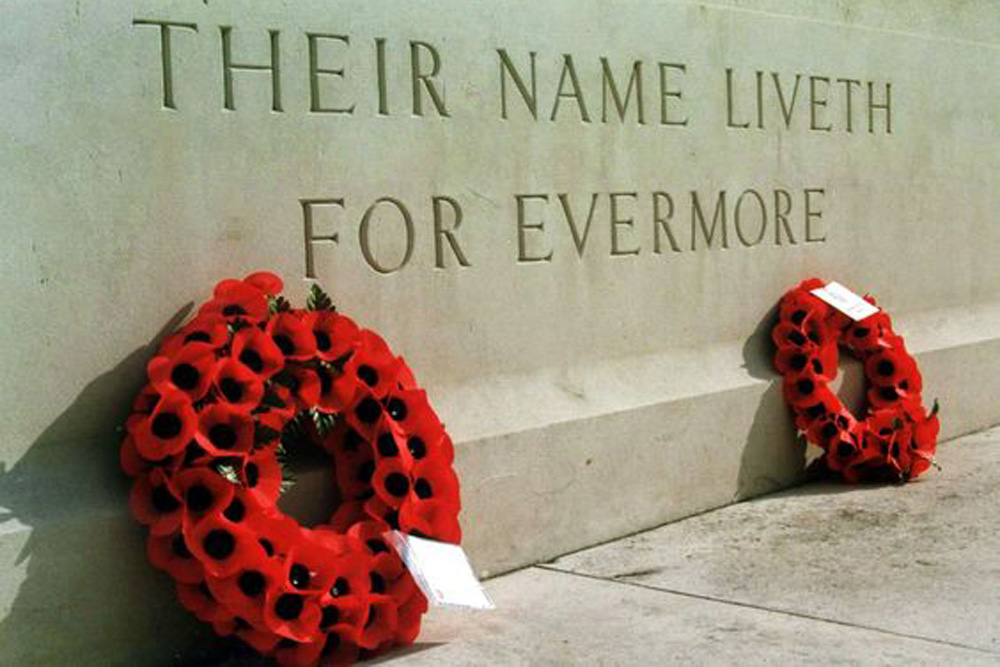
[556, 618]
[921, 559]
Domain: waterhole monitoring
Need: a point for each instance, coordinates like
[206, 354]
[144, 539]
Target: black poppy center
[323, 342]
[185, 376]
[422, 488]
[252, 360]
[232, 309]
[397, 409]
[387, 445]
[198, 337]
[340, 587]
[397, 484]
[377, 546]
[829, 430]
[330, 616]
[352, 440]
[417, 447]
[166, 425]
[332, 643]
[372, 616]
[164, 501]
[377, 582]
[222, 436]
[231, 389]
[798, 361]
[368, 375]
[798, 316]
[392, 518]
[299, 576]
[267, 546]
[251, 583]
[365, 471]
[180, 547]
[806, 387]
[219, 544]
[368, 410]
[253, 474]
[288, 607]
[284, 344]
[797, 338]
[236, 511]
[885, 368]
[844, 450]
[199, 498]
[888, 393]
[861, 332]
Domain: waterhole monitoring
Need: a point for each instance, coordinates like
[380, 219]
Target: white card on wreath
[845, 301]
[442, 571]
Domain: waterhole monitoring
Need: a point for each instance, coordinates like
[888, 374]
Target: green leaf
[264, 434]
[228, 472]
[272, 401]
[277, 304]
[324, 421]
[935, 409]
[318, 299]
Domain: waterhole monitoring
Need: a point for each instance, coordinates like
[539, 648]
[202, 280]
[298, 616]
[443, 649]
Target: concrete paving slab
[557, 618]
[921, 559]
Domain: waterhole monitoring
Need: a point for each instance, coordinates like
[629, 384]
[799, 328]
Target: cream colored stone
[590, 395]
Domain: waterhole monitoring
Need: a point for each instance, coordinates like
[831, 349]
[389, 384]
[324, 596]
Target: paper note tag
[441, 570]
[845, 301]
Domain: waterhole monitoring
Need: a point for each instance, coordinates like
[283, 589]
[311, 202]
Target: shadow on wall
[89, 595]
[774, 456]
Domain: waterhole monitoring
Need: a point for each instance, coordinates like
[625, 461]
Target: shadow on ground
[89, 596]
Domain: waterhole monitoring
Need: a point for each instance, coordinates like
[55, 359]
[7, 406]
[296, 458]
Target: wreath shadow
[88, 595]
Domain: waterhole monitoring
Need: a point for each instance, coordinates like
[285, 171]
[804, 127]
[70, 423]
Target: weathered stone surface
[920, 559]
[618, 384]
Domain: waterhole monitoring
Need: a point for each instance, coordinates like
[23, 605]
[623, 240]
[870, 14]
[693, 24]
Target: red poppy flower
[292, 613]
[821, 360]
[266, 282]
[190, 370]
[336, 391]
[787, 335]
[223, 547]
[197, 599]
[261, 641]
[133, 464]
[799, 304]
[257, 351]
[245, 591]
[155, 503]
[347, 514]
[336, 335]
[392, 482]
[434, 480]
[381, 623]
[203, 490]
[804, 389]
[279, 402]
[146, 401]
[354, 470]
[236, 300]
[210, 329]
[305, 385]
[434, 519]
[290, 653]
[261, 475]
[405, 379]
[168, 428]
[292, 336]
[238, 386]
[374, 364]
[365, 414]
[408, 626]
[171, 554]
[868, 335]
[223, 431]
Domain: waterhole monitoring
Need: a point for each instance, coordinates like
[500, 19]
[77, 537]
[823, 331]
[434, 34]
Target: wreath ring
[896, 439]
[204, 444]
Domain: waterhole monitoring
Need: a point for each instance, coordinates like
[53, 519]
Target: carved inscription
[411, 78]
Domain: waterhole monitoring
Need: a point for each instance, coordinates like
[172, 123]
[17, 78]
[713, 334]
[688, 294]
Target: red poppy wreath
[897, 437]
[205, 443]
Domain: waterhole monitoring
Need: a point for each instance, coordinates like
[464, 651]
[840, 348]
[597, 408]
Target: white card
[441, 570]
[845, 301]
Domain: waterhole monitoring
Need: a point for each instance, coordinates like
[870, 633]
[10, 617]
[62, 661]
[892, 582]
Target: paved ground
[820, 574]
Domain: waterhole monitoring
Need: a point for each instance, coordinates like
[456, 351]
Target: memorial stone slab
[572, 218]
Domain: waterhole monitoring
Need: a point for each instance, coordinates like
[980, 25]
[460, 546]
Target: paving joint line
[773, 610]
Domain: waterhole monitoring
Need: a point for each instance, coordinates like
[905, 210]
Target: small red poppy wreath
[897, 437]
[204, 444]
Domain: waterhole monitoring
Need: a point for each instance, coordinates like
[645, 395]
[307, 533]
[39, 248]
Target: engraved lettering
[738, 219]
[310, 237]
[884, 106]
[569, 71]
[718, 221]
[661, 220]
[618, 222]
[228, 66]
[781, 212]
[442, 234]
[730, 106]
[523, 227]
[847, 100]
[507, 68]
[420, 77]
[315, 104]
[383, 86]
[610, 89]
[579, 240]
[666, 94]
[364, 230]
[813, 213]
[786, 110]
[166, 57]
[817, 102]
